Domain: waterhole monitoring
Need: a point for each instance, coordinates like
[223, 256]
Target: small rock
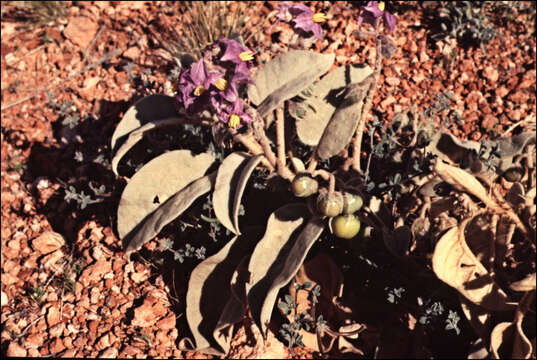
[387, 102]
[392, 81]
[15, 350]
[110, 353]
[103, 342]
[48, 242]
[80, 31]
[132, 53]
[149, 312]
[95, 272]
[167, 323]
[53, 316]
[56, 346]
[69, 353]
[51, 260]
[491, 74]
[57, 330]
[35, 340]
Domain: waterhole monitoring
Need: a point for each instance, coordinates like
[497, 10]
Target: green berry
[345, 226]
[351, 203]
[304, 185]
[513, 174]
[330, 204]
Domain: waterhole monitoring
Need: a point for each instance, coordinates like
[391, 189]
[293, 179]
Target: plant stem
[280, 139]
[367, 107]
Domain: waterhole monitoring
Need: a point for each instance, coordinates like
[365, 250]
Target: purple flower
[233, 114]
[373, 11]
[239, 55]
[283, 11]
[302, 17]
[195, 86]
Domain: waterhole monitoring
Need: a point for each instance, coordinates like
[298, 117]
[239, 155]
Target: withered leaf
[455, 264]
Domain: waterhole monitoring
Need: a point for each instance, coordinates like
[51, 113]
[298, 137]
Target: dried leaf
[285, 76]
[233, 174]
[526, 284]
[211, 308]
[342, 125]
[501, 335]
[465, 181]
[278, 256]
[153, 223]
[479, 317]
[136, 135]
[455, 264]
[148, 109]
[313, 113]
[155, 183]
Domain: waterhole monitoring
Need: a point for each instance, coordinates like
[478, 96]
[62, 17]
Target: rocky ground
[67, 289]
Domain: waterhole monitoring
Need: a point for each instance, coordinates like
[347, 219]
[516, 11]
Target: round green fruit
[345, 226]
[330, 204]
[304, 185]
[351, 203]
[513, 174]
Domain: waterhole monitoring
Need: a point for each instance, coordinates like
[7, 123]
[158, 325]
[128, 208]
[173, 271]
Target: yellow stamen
[381, 6]
[221, 84]
[319, 17]
[246, 55]
[234, 121]
[199, 90]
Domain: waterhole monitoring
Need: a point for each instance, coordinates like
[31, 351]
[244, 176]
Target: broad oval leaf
[285, 76]
[342, 125]
[455, 264]
[211, 307]
[233, 174]
[155, 183]
[136, 135]
[278, 256]
[152, 224]
[150, 108]
[313, 113]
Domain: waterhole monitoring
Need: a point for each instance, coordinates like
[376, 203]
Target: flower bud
[351, 203]
[304, 185]
[330, 204]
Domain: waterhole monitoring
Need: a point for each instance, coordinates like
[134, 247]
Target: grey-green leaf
[318, 108]
[211, 307]
[157, 181]
[233, 174]
[152, 224]
[342, 125]
[136, 135]
[285, 76]
[278, 256]
[148, 109]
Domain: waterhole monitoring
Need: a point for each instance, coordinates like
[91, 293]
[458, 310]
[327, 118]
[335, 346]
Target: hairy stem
[357, 145]
[252, 145]
[280, 140]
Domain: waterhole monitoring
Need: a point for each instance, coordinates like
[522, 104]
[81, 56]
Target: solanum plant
[253, 109]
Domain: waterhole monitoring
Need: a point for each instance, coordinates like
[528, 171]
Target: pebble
[48, 242]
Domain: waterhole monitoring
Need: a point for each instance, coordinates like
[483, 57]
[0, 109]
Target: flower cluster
[214, 81]
[301, 17]
[373, 11]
